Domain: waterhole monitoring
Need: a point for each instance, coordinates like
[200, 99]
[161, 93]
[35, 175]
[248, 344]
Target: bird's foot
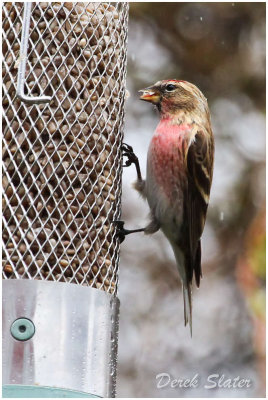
[131, 158]
[129, 153]
[121, 232]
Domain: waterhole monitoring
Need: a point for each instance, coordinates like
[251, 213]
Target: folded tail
[187, 300]
[187, 265]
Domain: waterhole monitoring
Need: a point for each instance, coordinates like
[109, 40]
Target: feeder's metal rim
[23, 59]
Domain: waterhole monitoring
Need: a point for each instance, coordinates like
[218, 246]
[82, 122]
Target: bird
[179, 175]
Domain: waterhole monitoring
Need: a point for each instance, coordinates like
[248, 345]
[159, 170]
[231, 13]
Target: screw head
[22, 329]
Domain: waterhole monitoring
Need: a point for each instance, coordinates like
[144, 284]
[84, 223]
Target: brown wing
[199, 162]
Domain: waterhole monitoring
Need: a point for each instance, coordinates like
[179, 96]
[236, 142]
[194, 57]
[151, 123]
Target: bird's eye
[170, 87]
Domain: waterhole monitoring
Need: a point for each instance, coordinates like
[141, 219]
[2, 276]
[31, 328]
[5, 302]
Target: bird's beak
[150, 94]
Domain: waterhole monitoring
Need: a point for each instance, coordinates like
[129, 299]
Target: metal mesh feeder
[64, 67]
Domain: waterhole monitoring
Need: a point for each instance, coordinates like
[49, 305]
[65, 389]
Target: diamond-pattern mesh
[62, 160]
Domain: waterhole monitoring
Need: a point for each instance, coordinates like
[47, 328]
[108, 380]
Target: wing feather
[199, 164]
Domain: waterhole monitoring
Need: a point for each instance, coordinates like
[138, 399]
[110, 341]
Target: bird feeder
[64, 68]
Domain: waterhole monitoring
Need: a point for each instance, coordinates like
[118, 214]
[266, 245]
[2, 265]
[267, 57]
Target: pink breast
[166, 157]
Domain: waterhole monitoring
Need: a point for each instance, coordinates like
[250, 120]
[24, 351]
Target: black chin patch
[158, 106]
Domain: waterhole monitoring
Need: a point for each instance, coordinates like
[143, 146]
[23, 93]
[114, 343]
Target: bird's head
[172, 96]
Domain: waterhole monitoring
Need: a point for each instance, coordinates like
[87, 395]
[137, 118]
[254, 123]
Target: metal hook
[23, 59]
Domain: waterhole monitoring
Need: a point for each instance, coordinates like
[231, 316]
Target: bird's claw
[127, 148]
[120, 231]
[129, 153]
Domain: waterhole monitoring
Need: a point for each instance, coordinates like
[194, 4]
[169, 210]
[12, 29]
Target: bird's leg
[131, 159]
[121, 232]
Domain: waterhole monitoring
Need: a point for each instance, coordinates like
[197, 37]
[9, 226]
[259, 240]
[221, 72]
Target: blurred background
[220, 47]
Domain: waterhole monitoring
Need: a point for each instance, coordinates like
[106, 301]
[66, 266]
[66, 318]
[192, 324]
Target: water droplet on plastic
[221, 216]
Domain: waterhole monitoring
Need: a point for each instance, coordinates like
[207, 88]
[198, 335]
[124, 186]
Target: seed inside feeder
[62, 161]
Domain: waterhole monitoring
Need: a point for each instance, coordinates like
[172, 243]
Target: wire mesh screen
[62, 160]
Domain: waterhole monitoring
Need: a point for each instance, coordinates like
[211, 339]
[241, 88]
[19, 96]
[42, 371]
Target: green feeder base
[27, 391]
